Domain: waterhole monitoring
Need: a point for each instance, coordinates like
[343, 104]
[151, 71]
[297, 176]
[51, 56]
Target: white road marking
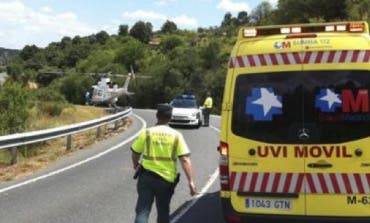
[216, 116]
[76, 164]
[196, 197]
[214, 128]
[194, 200]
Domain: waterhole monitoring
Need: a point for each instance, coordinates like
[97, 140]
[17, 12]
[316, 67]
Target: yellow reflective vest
[160, 147]
[208, 102]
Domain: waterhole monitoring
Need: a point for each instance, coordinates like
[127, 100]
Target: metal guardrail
[20, 139]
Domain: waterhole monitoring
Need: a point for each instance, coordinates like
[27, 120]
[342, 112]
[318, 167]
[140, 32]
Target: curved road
[96, 185]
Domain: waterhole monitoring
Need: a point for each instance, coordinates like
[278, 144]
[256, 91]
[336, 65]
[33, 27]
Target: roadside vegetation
[38, 156]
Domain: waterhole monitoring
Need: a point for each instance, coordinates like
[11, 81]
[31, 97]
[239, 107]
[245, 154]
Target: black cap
[164, 109]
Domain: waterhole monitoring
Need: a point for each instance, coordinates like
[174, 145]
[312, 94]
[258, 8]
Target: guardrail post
[116, 125]
[69, 142]
[14, 154]
[98, 133]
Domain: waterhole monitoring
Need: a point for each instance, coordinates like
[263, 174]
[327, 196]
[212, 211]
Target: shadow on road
[183, 126]
[206, 210]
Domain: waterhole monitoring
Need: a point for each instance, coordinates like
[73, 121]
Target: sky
[40, 22]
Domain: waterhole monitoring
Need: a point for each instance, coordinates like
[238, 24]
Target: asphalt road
[96, 185]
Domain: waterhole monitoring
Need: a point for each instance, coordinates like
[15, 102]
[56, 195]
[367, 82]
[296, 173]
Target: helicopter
[105, 92]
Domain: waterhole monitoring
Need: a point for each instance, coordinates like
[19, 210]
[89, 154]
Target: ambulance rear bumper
[231, 216]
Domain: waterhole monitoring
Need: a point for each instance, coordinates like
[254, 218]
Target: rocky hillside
[6, 55]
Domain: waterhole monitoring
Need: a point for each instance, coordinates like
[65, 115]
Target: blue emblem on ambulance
[263, 104]
[327, 100]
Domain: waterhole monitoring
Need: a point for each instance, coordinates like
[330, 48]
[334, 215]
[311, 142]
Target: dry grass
[71, 114]
[38, 156]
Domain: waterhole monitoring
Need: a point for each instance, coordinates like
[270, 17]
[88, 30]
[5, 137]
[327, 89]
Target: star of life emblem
[263, 104]
[327, 100]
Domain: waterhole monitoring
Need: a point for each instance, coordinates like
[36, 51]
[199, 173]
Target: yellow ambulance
[295, 135]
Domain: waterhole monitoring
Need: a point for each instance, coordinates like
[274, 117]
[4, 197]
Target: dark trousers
[150, 187]
[206, 113]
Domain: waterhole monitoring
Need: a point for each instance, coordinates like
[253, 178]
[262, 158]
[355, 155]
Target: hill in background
[7, 55]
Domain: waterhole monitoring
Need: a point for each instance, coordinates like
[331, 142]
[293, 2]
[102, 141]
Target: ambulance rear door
[265, 178]
[337, 84]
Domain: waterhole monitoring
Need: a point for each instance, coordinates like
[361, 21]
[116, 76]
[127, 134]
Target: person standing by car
[159, 147]
[207, 106]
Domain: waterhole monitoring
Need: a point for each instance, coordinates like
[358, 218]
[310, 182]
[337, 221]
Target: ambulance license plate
[276, 204]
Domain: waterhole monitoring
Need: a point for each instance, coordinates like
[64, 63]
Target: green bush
[51, 108]
[50, 101]
[74, 87]
[49, 94]
[14, 108]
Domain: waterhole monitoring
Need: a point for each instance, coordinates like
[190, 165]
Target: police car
[186, 111]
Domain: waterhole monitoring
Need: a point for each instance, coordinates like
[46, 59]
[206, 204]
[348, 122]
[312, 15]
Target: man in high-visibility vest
[159, 147]
[207, 107]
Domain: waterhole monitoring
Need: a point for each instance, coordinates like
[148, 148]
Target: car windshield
[184, 103]
[327, 106]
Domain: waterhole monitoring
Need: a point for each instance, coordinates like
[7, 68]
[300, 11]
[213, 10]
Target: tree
[53, 55]
[227, 20]
[261, 13]
[211, 55]
[15, 71]
[76, 40]
[229, 25]
[72, 57]
[92, 39]
[188, 61]
[330, 10]
[170, 43]
[292, 11]
[102, 37]
[123, 30]
[169, 27]
[131, 54]
[66, 42]
[14, 108]
[74, 87]
[358, 9]
[142, 31]
[20, 74]
[28, 52]
[243, 18]
[100, 61]
[36, 62]
[152, 90]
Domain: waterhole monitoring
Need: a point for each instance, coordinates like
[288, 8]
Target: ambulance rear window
[302, 107]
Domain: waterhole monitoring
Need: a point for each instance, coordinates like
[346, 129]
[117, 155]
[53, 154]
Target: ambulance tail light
[230, 218]
[224, 166]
